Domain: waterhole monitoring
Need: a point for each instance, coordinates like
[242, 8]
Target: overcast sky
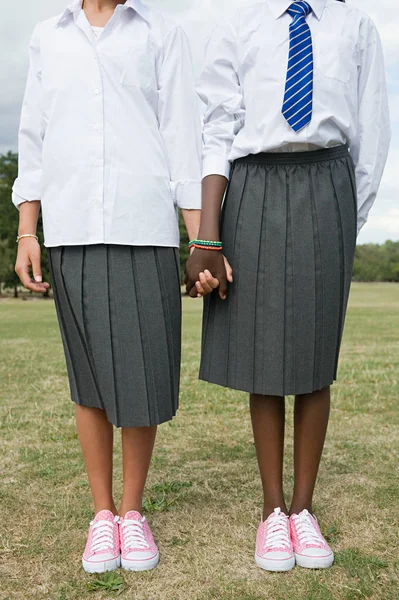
[198, 17]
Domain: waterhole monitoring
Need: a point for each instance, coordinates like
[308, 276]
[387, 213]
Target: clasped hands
[206, 271]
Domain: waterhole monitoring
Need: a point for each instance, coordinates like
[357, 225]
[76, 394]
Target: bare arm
[192, 220]
[28, 216]
[213, 189]
[206, 270]
[28, 256]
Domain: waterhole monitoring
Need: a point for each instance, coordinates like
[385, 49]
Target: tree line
[373, 262]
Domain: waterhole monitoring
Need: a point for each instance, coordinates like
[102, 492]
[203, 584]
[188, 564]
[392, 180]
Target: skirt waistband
[295, 158]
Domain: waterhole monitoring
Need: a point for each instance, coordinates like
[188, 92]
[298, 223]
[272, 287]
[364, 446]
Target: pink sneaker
[310, 548]
[102, 552]
[274, 550]
[139, 551]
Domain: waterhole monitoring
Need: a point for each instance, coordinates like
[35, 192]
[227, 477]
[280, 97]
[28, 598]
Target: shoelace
[277, 535]
[133, 534]
[103, 535]
[306, 531]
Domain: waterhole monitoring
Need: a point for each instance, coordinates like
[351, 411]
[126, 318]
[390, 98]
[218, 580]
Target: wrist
[26, 236]
[211, 236]
[26, 230]
[206, 245]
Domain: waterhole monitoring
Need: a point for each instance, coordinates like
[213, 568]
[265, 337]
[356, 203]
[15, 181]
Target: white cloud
[198, 18]
[394, 108]
[380, 227]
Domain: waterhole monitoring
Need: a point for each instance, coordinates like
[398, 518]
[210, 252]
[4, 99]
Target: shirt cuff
[17, 199]
[188, 194]
[27, 190]
[216, 165]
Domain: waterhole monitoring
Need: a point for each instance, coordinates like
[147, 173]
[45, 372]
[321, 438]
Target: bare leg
[137, 446]
[311, 416]
[268, 422]
[96, 439]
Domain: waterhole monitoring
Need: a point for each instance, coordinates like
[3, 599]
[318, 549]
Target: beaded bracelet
[206, 245]
[202, 247]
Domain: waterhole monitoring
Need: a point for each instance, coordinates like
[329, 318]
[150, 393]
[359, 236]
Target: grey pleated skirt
[119, 310]
[289, 231]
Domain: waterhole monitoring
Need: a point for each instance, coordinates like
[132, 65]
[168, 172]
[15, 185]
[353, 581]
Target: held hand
[219, 273]
[29, 257]
[207, 283]
[229, 270]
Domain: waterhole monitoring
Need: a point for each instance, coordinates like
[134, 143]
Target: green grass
[203, 496]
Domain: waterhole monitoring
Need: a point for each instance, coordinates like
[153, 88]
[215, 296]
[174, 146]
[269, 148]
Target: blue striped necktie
[298, 98]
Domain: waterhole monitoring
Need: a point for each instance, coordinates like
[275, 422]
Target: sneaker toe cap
[316, 552]
[139, 555]
[277, 555]
[99, 557]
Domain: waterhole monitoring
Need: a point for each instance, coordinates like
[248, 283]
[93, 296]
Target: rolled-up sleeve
[27, 186]
[370, 147]
[179, 119]
[219, 88]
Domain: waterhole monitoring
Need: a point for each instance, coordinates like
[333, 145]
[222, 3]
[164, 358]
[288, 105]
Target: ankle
[132, 506]
[105, 506]
[269, 507]
[298, 507]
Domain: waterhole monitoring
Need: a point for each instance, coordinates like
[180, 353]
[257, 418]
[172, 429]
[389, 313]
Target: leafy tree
[375, 262]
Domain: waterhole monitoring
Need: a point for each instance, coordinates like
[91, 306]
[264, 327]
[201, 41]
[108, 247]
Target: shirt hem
[112, 243]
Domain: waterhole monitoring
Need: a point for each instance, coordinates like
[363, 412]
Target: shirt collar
[75, 7]
[279, 7]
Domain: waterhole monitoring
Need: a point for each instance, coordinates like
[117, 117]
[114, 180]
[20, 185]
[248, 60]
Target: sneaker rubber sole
[268, 564]
[101, 566]
[140, 565]
[314, 562]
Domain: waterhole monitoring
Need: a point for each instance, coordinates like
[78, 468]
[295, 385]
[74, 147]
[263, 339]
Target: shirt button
[97, 127]
[96, 91]
[97, 201]
[98, 163]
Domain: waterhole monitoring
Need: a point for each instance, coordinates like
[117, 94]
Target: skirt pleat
[119, 310]
[289, 231]
[68, 302]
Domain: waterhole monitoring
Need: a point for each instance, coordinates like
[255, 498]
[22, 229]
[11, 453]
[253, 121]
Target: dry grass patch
[203, 495]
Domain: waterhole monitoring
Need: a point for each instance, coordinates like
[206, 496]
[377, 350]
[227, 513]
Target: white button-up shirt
[110, 135]
[244, 80]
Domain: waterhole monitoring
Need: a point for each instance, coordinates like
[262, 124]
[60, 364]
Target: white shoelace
[277, 535]
[133, 534]
[307, 533]
[103, 535]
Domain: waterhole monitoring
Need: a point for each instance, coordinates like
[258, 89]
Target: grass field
[203, 496]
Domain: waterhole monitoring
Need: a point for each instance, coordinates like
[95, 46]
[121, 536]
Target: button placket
[98, 126]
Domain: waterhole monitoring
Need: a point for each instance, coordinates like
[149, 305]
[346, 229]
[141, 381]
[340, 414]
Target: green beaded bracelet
[205, 243]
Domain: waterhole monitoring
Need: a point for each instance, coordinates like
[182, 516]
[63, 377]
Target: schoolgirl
[109, 147]
[297, 121]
